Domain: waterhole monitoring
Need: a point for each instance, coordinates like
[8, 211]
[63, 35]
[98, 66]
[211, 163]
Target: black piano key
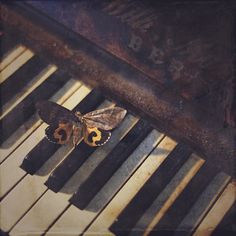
[20, 78]
[185, 201]
[45, 149]
[7, 44]
[152, 188]
[25, 109]
[227, 226]
[69, 166]
[110, 164]
[3, 233]
[38, 156]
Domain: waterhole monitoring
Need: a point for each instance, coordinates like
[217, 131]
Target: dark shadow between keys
[20, 132]
[103, 196]
[97, 203]
[70, 187]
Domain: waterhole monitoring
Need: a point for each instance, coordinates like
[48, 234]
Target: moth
[66, 126]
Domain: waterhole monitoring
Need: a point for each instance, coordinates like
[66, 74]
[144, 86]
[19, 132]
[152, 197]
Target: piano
[169, 168]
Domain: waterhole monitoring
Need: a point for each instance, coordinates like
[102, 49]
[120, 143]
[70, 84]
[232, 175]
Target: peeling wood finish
[168, 111]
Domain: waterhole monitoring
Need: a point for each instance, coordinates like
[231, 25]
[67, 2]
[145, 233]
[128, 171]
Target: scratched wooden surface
[186, 45]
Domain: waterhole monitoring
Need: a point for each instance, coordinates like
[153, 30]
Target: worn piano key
[25, 186]
[30, 189]
[107, 217]
[28, 89]
[15, 65]
[227, 225]
[26, 108]
[168, 195]
[203, 204]
[33, 123]
[46, 203]
[188, 197]
[8, 46]
[34, 159]
[68, 221]
[153, 187]
[125, 171]
[18, 80]
[107, 167]
[69, 166]
[16, 158]
[8, 56]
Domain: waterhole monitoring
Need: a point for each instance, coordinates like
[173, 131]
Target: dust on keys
[140, 183]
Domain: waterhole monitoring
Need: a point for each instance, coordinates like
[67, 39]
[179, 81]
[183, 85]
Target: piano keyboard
[140, 183]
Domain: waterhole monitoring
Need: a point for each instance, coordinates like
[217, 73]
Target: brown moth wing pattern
[94, 136]
[51, 112]
[59, 133]
[105, 119]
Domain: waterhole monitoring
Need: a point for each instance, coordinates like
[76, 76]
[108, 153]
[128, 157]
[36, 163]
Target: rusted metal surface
[183, 44]
[164, 107]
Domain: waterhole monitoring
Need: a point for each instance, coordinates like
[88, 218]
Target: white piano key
[167, 197]
[29, 88]
[68, 222]
[11, 215]
[130, 189]
[204, 203]
[27, 192]
[9, 178]
[218, 211]
[12, 55]
[51, 205]
[15, 65]
[125, 171]
[28, 127]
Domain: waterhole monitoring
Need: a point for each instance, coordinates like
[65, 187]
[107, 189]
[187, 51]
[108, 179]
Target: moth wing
[51, 112]
[94, 136]
[105, 119]
[59, 133]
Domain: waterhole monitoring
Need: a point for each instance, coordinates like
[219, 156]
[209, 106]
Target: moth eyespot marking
[62, 134]
[104, 137]
[91, 136]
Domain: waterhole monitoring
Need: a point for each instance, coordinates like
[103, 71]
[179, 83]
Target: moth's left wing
[59, 133]
[51, 112]
[105, 119]
[94, 136]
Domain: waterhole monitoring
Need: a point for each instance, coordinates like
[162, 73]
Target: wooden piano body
[169, 168]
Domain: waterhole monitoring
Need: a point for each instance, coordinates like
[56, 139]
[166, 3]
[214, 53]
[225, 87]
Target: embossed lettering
[135, 43]
[157, 56]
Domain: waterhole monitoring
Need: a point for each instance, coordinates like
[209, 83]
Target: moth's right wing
[94, 136]
[105, 119]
